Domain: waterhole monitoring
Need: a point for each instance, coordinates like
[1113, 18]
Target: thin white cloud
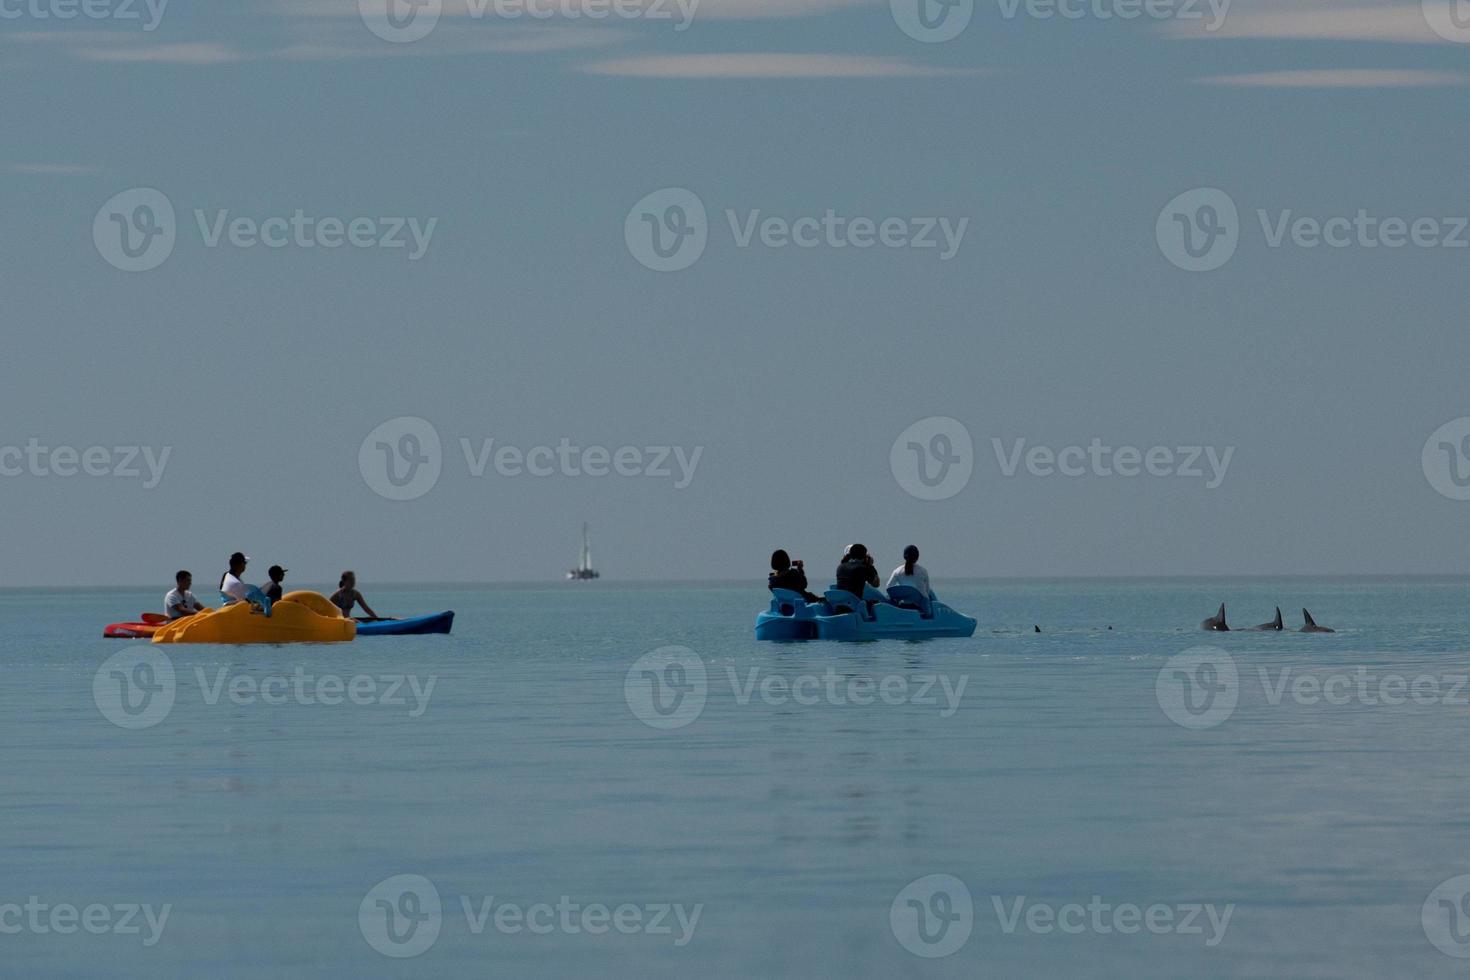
[1341, 78]
[764, 66]
[1308, 20]
[321, 41]
[55, 169]
[527, 40]
[183, 53]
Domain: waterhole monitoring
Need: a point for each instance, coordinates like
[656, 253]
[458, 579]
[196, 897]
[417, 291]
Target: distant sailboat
[584, 570]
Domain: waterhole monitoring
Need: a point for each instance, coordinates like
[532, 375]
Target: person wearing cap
[231, 586]
[180, 602]
[911, 573]
[272, 589]
[232, 589]
[856, 570]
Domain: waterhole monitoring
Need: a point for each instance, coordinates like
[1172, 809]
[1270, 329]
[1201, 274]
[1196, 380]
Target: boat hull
[298, 617]
[436, 623]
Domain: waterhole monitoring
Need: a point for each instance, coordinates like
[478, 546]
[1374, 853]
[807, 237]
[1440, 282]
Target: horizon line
[541, 583]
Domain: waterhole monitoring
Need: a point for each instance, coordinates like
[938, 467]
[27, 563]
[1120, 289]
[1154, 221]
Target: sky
[1047, 289]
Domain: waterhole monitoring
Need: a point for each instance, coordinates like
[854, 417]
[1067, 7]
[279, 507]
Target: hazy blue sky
[1058, 315]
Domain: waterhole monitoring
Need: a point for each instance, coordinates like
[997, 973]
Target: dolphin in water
[1311, 626]
[1216, 623]
[1275, 624]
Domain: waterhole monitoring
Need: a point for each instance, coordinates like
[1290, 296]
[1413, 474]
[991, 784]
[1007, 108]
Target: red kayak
[130, 631]
[142, 630]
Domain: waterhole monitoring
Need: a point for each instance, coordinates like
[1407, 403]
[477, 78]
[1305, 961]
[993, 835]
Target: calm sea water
[528, 788]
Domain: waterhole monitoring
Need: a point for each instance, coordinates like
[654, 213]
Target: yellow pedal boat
[298, 617]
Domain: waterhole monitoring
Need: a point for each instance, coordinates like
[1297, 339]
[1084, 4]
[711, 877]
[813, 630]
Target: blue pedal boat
[903, 614]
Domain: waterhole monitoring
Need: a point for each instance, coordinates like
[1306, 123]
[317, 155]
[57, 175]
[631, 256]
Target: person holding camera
[857, 570]
[789, 575]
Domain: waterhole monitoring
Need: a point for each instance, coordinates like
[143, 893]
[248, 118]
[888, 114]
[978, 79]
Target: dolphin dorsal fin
[1277, 624]
[1308, 617]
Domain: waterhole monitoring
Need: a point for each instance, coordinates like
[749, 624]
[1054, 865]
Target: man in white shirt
[180, 602]
[911, 573]
[230, 585]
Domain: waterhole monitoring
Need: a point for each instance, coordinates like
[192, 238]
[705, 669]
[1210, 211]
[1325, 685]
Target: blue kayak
[437, 623]
[903, 614]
